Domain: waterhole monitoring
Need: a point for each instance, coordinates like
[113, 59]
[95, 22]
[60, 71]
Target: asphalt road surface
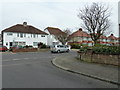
[35, 70]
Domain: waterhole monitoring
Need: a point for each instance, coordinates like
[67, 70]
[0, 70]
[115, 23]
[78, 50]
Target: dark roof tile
[112, 37]
[24, 29]
[79, 33]
[54, 31]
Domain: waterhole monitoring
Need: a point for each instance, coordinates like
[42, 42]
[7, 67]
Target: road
[35, 70]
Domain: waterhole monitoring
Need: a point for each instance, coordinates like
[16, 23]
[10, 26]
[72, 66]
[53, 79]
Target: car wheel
[3, 50]
[67, 50]
[58, 51]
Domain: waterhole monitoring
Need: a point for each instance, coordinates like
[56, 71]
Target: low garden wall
[99, 58]
[25, 50]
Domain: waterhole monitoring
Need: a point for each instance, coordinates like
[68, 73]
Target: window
[11, 44]
[15, 43]
[34, 35]
[21, 35]
[9, 34]
[84, 38]
[84, 43]
[21, 43]
[42, 35]
[35, 43]
[6, 43]
[58, 46]
[17, 34]
[61, 46]
[24, 35]
[104, 40]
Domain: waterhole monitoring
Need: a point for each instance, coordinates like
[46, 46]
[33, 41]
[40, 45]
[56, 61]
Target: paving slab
[103, 72]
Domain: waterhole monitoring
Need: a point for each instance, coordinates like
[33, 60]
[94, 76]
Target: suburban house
[81, 37]
[112, 40]
[103, 40]
[0, 39]
[23, 34]
[52, 32]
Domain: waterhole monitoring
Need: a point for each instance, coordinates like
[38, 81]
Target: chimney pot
[80, 29]
[111, 34]
[25, 24]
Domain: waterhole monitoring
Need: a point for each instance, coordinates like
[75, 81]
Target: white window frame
[9, 33]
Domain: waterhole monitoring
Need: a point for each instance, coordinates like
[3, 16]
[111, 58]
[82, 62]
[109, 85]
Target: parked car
[15, 47]
[3, 48]
[60, 48]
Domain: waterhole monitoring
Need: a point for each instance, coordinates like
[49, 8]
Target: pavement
[108, 73]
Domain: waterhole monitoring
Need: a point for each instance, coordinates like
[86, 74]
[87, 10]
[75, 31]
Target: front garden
[41, 47]
[100, 54]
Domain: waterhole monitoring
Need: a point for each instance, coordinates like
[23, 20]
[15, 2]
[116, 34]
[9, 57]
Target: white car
[60, 48]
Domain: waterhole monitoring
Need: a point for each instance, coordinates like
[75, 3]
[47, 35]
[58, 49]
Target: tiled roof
[118, 38]
[24, 29]
[112, 37]
[80, 33]
[103, 37]
[54, 31]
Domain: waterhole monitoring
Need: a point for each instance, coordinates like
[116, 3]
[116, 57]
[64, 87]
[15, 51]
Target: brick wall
[100, 58]
[25, 50]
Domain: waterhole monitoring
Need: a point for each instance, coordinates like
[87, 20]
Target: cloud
[48, 13]
[58, 0]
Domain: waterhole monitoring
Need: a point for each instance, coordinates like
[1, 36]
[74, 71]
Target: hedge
[111, 50]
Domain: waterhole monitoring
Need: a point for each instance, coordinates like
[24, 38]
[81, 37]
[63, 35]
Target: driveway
[35, 70]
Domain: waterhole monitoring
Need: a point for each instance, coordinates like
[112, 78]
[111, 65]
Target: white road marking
[6, 60]
[25, 58]
[15, 59]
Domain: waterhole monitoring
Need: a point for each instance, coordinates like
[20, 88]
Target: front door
[11, 44]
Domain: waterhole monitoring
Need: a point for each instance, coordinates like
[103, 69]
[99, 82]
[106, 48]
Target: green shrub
[114, 50]
[84, 49]
[75, 46]
[43, 46]
[100, 45]
[30, 46]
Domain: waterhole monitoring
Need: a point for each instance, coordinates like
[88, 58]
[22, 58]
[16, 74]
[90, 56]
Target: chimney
[80, 29]
[24, 24]
[111, 34]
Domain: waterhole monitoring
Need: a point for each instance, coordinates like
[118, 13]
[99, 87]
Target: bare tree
[96, 20]
[63, 37]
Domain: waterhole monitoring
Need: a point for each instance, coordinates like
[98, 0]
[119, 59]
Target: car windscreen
[52, 46]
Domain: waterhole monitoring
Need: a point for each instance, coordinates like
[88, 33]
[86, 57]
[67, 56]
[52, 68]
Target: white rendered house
[23, 34]
[51, 31]
[0, 39]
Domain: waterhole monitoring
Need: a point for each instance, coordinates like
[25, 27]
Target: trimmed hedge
[111, 50]
[43, 46]
[103, 49]
[84, 49]
[28, 46]
[75, 46]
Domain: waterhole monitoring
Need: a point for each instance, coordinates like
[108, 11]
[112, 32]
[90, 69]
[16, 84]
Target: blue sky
[44, 13]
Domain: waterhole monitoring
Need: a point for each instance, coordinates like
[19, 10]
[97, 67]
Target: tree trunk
[95, 42]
